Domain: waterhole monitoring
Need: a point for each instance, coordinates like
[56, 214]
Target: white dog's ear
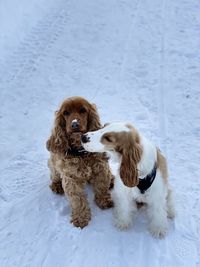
[131, 155]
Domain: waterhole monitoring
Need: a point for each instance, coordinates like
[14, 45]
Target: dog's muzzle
[75, 125]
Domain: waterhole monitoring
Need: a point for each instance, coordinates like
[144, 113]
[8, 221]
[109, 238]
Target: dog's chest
[131, 192]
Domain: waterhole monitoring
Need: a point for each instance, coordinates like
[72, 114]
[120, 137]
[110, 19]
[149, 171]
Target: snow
[138, 61]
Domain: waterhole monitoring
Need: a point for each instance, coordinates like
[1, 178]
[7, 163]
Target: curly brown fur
[57, 187]
[73, 172]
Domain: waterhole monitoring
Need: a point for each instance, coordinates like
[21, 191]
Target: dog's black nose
[75, 125]
[85, 138]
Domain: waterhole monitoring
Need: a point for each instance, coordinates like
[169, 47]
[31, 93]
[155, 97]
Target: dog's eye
[108, 139]
[66, 113]
[82, 110]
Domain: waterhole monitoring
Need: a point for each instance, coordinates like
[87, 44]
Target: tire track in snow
[183, 247]
[171, 100]
[128, 42]
[162, 87]
[23, 64]
[20, 184]
[34, 48]
[133, 66]
[128, 46]
[32, 249]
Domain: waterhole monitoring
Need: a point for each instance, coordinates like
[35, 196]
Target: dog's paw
[104, 203]
[57, 188]
[171, 213]
[81, 221]
[112, 182]
[122, 225]
[122, 222]
[158, 232]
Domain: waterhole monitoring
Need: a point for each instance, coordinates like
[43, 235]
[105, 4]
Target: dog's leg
[124, 205]
[157, 207]
[56, 184]
[101, 183]
[170, 204]
[74, 191]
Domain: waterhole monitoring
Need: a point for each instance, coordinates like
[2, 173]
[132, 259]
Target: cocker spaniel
[142, 175]
[71, 166]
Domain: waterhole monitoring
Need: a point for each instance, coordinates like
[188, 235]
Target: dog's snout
[75, 124]
[85, 138]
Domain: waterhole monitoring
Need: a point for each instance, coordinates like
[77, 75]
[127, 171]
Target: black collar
[147, 181]
[77, 152]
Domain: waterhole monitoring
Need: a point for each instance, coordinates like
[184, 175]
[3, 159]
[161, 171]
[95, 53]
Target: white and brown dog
[142, 175]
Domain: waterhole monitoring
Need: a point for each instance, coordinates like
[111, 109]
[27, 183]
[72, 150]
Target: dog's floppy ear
[131, 155]
[128, 171]
[58, 142]
[93, 119]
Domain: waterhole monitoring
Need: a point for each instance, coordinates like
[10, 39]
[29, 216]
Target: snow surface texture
[139, 61]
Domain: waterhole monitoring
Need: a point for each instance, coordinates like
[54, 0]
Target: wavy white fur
[158, 197]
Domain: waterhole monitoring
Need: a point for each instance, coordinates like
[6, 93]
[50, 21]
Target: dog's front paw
[171, 213]
[123, 222]
[104, 202]
[158, 231]
[57, 188]
[81, 221]
[112, 182]
[122, 225]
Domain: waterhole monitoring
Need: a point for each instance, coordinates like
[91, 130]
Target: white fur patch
[95, 145]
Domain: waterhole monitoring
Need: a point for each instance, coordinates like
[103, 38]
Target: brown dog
[71, 166]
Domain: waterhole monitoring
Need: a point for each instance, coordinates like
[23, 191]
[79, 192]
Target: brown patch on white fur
[128, 145]
[162, 165]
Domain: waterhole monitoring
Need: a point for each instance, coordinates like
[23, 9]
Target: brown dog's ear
[58, 142]
[131, 156]
[93, 119]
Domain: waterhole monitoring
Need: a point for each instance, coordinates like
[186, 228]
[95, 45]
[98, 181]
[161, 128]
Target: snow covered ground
[139, 61]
